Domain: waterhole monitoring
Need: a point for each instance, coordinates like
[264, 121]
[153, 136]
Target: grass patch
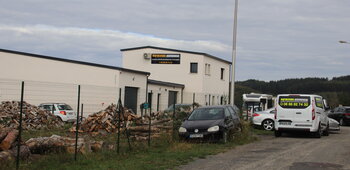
[164, 153]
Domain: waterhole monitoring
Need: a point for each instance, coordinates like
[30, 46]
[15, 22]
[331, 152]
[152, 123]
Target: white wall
[175, 73]
[164, 95]
[49, 80]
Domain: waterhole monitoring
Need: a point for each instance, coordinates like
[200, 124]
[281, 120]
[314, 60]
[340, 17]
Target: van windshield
[294, 102]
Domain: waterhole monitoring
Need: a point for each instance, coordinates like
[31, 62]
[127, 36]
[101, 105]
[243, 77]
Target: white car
[334, 125]
[301, 112]
[61, 110]
[264, 119]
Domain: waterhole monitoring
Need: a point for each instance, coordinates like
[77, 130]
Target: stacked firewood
[32, 118]
[106, 121]
[158, 127]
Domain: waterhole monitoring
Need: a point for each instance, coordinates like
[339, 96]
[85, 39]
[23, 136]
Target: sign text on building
[165, 58]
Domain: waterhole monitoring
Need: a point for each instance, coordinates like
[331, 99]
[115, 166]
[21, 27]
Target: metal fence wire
[50, 117]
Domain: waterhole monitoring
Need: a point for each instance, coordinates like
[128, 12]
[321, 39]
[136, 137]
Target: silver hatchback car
[61, 110]
[264, 119]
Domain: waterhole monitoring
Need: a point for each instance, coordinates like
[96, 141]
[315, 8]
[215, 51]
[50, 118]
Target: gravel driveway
[291, 151]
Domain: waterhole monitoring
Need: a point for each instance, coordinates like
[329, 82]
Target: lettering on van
[297, 102]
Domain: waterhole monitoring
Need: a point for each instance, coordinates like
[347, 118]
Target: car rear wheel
[318, 134]
[268, 125]
[326, 131]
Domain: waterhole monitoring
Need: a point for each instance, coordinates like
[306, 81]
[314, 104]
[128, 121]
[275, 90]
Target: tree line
[335, 90]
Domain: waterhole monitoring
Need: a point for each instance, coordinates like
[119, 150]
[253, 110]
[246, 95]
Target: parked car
[301, 112]
[178, 106]
[264, 119]
[341, 114]
[333, 125]
[210, 123]
[61, 110]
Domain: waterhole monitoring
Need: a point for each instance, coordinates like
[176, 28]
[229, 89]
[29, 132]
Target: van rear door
[294, 108]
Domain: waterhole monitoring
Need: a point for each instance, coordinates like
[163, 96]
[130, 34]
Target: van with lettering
[301, 112]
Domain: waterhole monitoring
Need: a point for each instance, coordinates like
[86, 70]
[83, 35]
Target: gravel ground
[291, 151]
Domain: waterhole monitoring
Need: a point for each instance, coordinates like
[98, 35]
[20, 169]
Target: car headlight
[213, 129]
[182, 130]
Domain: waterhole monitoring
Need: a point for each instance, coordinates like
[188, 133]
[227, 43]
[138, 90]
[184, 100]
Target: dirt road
[291, 151]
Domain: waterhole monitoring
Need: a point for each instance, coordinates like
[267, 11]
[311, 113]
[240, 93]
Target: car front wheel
[268, 125]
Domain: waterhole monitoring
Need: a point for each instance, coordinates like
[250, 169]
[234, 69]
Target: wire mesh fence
[74, 119]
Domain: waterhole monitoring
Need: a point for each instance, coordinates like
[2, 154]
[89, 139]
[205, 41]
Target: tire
[326, 132]
[268, 125]
[318, 134]
[59, 118]
[278, 133]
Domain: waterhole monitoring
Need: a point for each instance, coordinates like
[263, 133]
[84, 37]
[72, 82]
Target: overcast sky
[277, 39]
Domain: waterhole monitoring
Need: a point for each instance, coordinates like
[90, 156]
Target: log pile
[8, 145]
[42, 145]
[55, 144]
[33, 117]
[105, 121]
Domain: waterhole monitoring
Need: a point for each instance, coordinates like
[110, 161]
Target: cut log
[6, 156]
[24, 152]
[143, 129]
[156, 122]
[4, 132]
[9, 139]
[54, 144]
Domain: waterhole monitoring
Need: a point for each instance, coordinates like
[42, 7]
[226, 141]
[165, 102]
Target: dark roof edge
[176, 50]
[74, 61]
[150, 81]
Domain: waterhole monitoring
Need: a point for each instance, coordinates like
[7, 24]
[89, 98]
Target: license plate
[70, 113]
[196, 136]
[285, 123]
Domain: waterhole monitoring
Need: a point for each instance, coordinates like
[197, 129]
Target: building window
[194, 67]
[222, 73]
[207, 69]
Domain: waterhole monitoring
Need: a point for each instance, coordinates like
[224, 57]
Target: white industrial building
[166, 74]
[205, 78]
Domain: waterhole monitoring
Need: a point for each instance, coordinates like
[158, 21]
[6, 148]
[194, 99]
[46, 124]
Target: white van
[301, 112]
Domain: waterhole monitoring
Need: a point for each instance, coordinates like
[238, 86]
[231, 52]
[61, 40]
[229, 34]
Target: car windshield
[64, 107]
[207, 114]
[347, 110]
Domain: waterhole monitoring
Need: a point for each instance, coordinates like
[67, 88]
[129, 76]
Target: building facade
[205, 77]
[50, 79]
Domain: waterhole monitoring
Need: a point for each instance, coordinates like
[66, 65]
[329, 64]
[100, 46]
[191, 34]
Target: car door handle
[318, 112]
[298, 113]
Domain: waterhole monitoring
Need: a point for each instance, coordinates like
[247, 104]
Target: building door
[150, 100]
[158, 101]
[172, 97]
[130, 98]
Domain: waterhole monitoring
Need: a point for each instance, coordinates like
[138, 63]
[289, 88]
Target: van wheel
[278, 133]
[318, 134]
[326, 132]
[268, 125]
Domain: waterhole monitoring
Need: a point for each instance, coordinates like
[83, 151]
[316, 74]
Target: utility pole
[234, 44]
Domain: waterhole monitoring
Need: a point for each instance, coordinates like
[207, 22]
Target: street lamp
[343, 42]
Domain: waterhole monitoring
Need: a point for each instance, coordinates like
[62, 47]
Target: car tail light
[275, 113]
[63, 112]
[313, 111]
[255, 114]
